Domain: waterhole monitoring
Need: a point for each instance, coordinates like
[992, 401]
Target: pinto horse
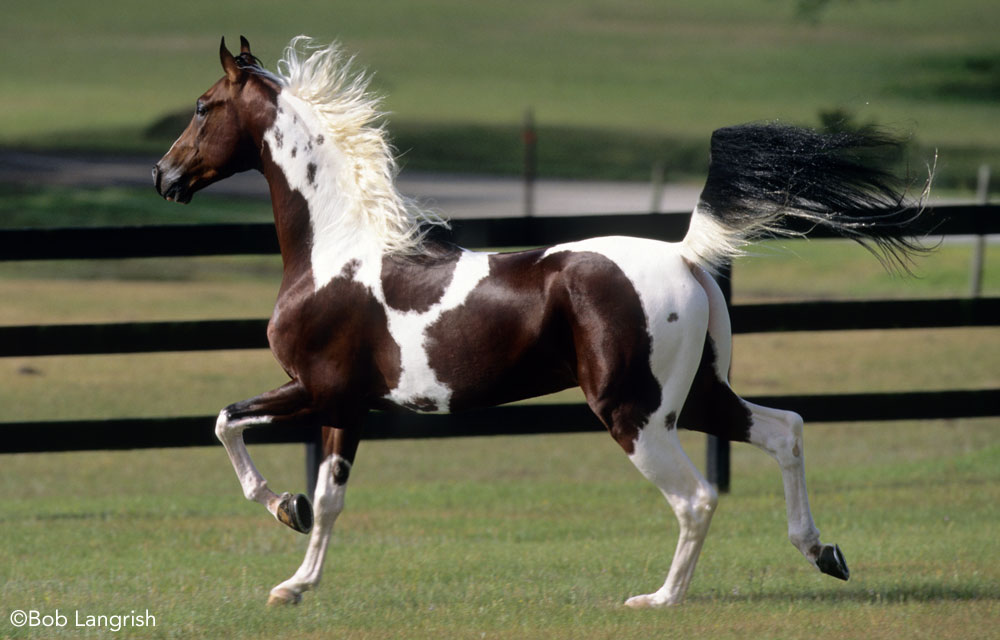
[373, 311]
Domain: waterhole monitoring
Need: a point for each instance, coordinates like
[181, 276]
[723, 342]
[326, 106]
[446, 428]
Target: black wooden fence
[243, 239]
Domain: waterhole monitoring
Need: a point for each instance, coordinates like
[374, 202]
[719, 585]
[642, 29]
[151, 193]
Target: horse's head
[224, 135]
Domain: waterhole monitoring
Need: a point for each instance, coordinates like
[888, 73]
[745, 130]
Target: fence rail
[184, 240]
[216, 335]
[198, 431]
[245, 239]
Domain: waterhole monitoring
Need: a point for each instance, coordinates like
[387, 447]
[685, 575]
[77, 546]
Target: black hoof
[831, 562]
[296, 512]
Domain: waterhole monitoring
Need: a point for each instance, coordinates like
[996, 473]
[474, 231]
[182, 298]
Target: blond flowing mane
[339, 97]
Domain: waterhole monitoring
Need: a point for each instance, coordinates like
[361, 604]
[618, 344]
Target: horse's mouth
[175, 191]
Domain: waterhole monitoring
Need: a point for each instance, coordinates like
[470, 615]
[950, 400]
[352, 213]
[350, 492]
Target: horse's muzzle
[169, 187]
[156, 178]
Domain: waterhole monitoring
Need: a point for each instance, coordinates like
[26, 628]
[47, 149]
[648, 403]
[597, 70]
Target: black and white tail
[762, 176]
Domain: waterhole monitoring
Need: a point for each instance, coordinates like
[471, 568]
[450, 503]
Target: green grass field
[531, 537]
[615, 86]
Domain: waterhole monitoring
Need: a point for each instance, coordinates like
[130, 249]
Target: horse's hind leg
[282, 404]
[717, 410]
[658, 455]
[641, 413]
[780, 434]
[339, 448]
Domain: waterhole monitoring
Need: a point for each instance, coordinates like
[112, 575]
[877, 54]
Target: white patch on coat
[417, 381]
[327, 142]
[317, 172]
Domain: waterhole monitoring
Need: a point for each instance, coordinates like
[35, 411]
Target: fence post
[657, 179]
[530, 138]
[314, 457]
[979, 243]
[717, 450]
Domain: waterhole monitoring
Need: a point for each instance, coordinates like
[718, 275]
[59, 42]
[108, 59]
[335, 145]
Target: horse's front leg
[288, 402]
[339, 449]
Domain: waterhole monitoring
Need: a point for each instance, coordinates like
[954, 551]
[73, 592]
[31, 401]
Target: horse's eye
[200, 108]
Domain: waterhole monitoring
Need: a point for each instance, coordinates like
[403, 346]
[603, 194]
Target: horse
[375, 309]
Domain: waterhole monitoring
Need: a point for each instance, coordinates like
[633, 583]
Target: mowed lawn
[527, 537]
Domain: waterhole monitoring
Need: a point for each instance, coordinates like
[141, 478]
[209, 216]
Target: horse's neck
[312, 199]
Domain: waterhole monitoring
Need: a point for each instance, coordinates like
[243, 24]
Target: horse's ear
[245, 46]
[233, 71]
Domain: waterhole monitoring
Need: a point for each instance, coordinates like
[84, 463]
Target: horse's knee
[791, 449]
[706, 500]
[231, 436]
[332, 485]
[328, 506]
[329, 499]
[222, 426]
[780, 434]
[695, 511]
[226, 429]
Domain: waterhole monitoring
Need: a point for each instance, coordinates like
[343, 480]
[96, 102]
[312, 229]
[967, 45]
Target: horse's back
[543, 320]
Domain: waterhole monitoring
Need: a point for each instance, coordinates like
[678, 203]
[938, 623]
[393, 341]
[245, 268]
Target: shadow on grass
[896, 594]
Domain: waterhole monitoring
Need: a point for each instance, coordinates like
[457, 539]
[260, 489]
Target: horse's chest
[335, 337]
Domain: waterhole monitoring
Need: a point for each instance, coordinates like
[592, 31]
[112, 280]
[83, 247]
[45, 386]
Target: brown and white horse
[371, 312]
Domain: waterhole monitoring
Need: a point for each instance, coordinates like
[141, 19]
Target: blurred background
[616, 87]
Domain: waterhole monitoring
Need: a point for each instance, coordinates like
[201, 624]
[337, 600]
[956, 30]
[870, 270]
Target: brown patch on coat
[711, 405]
[510, 340]
[341, 472]
[416, 283]
[542, 324]
[671, 421]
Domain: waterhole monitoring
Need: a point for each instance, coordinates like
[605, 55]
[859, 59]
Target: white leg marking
[780, 434]
[328, 502]
[230, 433]
[658, 455]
